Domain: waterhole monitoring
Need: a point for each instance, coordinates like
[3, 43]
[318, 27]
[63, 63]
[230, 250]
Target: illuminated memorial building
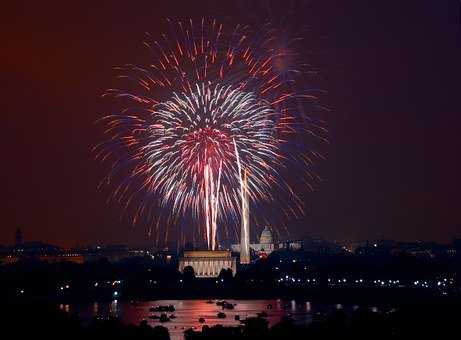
[208, 263]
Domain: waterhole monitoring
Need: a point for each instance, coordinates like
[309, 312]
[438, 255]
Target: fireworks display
[210, 109]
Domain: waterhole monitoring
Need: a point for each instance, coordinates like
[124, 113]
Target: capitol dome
[266, 236]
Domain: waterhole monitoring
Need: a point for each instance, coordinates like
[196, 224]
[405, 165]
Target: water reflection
[188, 312]
[114, 308]
[64, 307]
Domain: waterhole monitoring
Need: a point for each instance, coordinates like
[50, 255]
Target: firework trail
[209, 96]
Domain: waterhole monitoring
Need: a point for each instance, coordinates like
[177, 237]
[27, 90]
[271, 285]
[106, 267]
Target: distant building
[419, 249]
[311, 245]
[112, 253]
[266, 236]
[31, 250]
[166, 257]
[265, 246]
[64, 257]
[291, 245]
[266, 243]
[35, 249]
[208, 263]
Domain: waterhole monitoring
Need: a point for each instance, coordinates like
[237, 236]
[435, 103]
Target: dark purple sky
[392, 71]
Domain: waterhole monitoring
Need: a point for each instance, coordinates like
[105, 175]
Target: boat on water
[221, 315]
[227, 305]
[169, 308]
[164, 318]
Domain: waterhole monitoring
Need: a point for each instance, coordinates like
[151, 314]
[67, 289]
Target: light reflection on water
[189, 311]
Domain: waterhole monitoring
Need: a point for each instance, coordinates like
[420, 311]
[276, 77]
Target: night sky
[392, 73]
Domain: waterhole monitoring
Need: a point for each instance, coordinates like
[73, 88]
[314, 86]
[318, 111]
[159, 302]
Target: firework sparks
[208, 98]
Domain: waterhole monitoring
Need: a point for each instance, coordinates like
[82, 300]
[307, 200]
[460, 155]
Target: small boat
[201, 320]
[220, 303]
[221, 315]
[269, 306]
[227, 305]
[169, 308]
[172, 316]
[263, 314]
[237, 317]
[164, 318]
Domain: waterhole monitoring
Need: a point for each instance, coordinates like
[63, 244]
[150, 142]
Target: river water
[188, 312]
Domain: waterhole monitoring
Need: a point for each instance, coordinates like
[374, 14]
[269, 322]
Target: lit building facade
[266, 243]
[208, 263]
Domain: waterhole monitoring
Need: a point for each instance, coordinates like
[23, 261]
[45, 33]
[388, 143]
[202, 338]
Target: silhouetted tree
[188, 275]
[226, 275]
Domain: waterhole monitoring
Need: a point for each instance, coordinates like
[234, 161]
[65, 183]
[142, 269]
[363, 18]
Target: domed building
[265, 246]
[266, 243]
[266, 236]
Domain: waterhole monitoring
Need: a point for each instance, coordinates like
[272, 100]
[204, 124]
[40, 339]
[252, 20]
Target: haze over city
[390, 74]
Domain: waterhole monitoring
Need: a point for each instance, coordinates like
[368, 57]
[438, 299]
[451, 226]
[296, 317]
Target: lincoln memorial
[208, 263]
